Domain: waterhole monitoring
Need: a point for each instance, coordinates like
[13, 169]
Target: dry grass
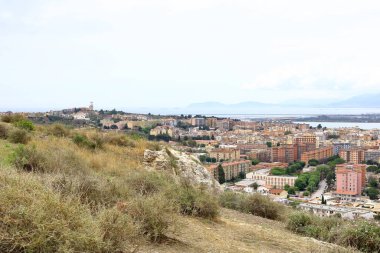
[238, 232]
[58, 196]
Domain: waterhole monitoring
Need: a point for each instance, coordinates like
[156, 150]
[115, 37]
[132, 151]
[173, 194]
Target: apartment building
[338, 146]
[306, 138]
[263, 155]
[372, 155]
[225, 154]
[304, 147]
[355, 156]
[285, 153]
[211, 122]
[320, 154]
[278, 182]
[350, 180]
[198, 122]
[231, 169]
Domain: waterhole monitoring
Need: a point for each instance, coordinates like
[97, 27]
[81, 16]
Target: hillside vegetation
[81, 190]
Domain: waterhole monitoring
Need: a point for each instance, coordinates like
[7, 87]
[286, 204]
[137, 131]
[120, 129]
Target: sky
[170, 53]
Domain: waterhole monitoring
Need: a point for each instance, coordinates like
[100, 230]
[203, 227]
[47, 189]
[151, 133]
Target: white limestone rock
[180, 164]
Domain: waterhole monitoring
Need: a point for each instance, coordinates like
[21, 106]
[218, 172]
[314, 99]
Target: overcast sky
[169, 53]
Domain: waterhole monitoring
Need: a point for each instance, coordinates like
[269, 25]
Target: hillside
[238, 232]
[71, 190]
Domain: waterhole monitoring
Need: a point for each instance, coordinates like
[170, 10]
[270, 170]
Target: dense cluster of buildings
[237, 146]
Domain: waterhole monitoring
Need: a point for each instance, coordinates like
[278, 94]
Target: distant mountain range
[303, 106]
[362, 101]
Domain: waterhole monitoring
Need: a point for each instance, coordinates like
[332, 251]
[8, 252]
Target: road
[321, 189]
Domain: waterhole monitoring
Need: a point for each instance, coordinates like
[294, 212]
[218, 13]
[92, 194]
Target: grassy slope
[233, 232]
[238, 232]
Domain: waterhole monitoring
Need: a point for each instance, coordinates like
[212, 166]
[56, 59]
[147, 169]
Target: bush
[25, 124]
[48, 158]
[120, 140]
[154, 215]
[262, 206]
[298, 221]
[58, 130]
[12, 118]
[255, 204]
[19, 136]
[231, 200]
[362, 235]
[117, 229]
[90, 190]
[83, 141]
[27, 158]
[196, 201]
[147, 183]
[3, 131]
[34, 219]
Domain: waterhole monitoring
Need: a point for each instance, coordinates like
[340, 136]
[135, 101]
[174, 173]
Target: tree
[313, 162]
[255, 161]
[241, 175]
[372, 193]
[323, 202]
[372, 182]
[278, 171]
[319, 126]
[255, 186]
[373, 168]
[287, 132]
[306, 193]
[269, 144]
[292, 191]
[221, 174]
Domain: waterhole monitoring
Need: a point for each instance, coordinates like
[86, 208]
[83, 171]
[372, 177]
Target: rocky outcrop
[180, 164]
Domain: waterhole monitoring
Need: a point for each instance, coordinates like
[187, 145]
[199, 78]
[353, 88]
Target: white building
[345, 212]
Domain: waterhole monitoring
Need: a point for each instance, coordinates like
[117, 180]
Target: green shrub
[19, 136]
[25, 124]
[83, 141]
[27, 158]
